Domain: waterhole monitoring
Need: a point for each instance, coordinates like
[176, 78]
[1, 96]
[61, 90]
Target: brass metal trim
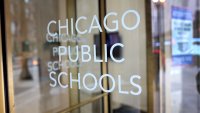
[151, 60]
[2, 94]
[102, 11]
[71, 108]
[9, 55]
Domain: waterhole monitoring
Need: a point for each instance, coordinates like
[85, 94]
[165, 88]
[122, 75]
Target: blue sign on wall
[182, 35]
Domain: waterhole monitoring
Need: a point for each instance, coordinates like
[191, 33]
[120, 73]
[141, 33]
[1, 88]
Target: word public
[86, 54]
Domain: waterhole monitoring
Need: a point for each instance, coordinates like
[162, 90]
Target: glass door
[45, 45]
[79, 56]
[100, 56]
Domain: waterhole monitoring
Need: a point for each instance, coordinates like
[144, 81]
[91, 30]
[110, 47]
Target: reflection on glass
[33, 58]
[179, 58]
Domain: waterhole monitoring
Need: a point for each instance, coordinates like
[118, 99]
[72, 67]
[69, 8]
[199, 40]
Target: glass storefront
[100, 56]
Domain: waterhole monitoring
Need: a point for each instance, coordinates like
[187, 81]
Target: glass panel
[31, 52]
[57, 55]
[43, 80]
[84, 9]
[127, 97]
[176, 34]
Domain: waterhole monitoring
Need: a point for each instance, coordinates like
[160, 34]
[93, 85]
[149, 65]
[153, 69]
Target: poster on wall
[182, 35]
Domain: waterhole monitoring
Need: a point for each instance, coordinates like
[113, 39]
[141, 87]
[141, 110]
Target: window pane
[40, 78]
[134, 53]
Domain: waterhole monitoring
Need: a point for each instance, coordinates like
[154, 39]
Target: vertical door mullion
[7, 56]
[2, 99]
[102, 13]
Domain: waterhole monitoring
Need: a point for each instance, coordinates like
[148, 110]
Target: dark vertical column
[152, 61]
